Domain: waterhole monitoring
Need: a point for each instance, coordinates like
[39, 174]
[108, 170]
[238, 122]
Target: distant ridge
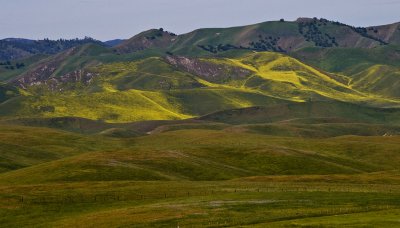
[18, 48]
[280, 36]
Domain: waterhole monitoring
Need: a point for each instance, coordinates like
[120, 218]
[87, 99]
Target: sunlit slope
[374, 71]
[286, 77]
[119, 106]
[156, 89]
[269, 73]
[134, 105]
[149, 89]
[378, 79]
[308, 119]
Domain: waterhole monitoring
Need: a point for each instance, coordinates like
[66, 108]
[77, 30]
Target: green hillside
[26, 146]
[192, 155]
[158, 88]
[369, 70]
[279, 36]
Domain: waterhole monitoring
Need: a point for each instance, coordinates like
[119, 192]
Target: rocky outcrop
[54, 83]
[45, 73]
[209, 71]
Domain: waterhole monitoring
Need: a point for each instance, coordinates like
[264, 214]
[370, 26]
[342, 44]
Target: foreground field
[191, 177]
[208, 204]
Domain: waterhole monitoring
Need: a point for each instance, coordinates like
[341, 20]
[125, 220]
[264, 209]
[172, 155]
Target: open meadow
[197, 177]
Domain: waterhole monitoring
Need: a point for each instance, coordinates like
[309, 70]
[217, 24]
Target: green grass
[200, 154]
[318, 130]
[196, 177]
[378, 79]
[302, 112]
[26, 146]
[123, 106]
[216, 204]
[348, 59]
[151, 89]
[372, 71]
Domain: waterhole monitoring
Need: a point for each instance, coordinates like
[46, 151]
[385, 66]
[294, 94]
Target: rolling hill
[176, 87]
[194, 155]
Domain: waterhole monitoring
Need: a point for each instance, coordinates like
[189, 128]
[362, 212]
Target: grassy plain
[197, 177]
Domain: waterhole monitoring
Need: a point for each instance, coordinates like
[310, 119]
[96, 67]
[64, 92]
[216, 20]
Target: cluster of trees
[360, 30]
[8, 65]
[374, 29]
[46, 46]
[364, 32]
[311, 32]
[321, 21]
[170, 33]
[159, 33]
[267, 43]
[218, 48]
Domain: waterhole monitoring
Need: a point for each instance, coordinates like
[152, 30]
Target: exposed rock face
[45, 73]
[54, 82]
[209, 71]
[73, 77]
[36, 77]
